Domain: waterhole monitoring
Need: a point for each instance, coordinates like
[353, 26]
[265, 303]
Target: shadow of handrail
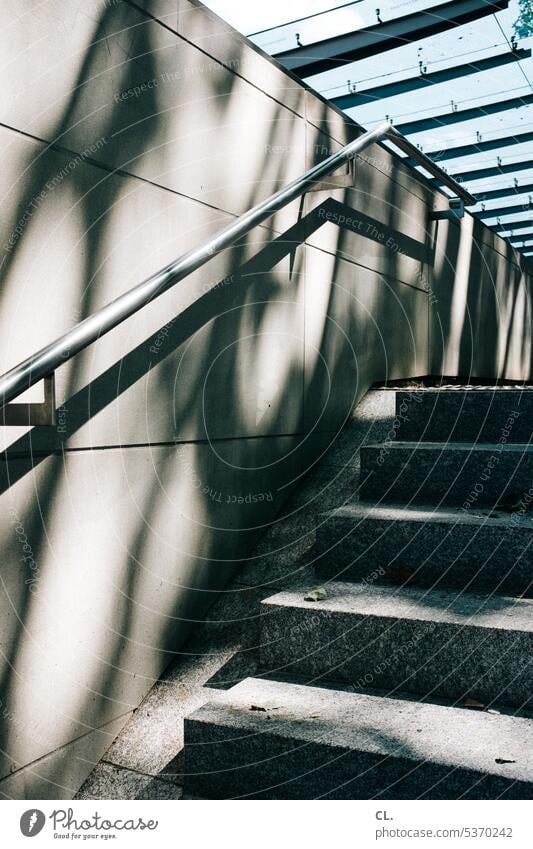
[41, 442]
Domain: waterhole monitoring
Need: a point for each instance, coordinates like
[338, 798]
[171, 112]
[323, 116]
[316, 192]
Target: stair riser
[473, 416]
[221, 763]
[459, 556]
[433, 659]
[482, 479]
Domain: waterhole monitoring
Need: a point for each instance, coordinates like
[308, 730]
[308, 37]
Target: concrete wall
[130, 132]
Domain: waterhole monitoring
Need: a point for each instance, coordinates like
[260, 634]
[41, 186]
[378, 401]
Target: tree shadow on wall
[224, 316]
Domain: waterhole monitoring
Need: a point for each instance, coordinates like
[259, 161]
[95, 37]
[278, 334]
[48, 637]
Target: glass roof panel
[469, 43]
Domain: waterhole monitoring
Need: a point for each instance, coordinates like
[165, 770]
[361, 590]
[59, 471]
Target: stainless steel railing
[45, 362]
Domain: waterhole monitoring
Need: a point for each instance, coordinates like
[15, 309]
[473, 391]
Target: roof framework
[506, 210]
[329, 53]
[482, 173]
[425, 80]
[504, 192]
[478, 147]
[525, 223]
[456, 117]
[507, 128]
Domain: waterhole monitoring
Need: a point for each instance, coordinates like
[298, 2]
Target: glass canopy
[463, 94]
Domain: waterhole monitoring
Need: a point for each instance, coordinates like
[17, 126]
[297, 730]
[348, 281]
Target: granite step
[432, 643]
[465, 415]
[309, 743]
[488, 475]
[427, 547]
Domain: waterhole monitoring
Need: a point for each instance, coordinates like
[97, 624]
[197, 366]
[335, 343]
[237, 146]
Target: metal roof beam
[348, 101]
[504, 210]
[463, 115]
[482, 173]
[478, 147]
[507, 191]
[512, 225]
[524, 240]
[349, 47]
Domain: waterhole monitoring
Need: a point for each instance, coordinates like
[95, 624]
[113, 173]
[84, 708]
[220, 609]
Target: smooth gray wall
[126, 140]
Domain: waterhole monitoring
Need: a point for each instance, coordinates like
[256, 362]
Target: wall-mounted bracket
[32, 415]
[456, 210]
[337, 181]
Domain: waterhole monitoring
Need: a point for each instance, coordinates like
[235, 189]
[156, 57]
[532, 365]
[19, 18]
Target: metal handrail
[48, 359]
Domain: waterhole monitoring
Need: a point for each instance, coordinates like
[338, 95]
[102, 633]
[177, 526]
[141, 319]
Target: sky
[468, 43]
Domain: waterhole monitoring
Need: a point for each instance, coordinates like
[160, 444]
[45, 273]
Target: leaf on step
[504, 761]
[315, 715]
[316, 595]
[258, 707]
[475, 705]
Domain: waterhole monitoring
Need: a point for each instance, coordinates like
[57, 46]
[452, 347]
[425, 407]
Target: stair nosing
[441, 615]
[422, 445]
[429, 513]
[226, 711]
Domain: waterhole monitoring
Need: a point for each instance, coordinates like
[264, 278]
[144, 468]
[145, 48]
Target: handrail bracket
[34, 414]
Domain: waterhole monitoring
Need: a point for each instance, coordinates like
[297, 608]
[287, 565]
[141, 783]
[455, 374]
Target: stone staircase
[411, 675]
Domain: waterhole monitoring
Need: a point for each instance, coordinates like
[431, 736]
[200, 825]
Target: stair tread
[475, 550]
[430, 513]
[435, 605]
[466, 447]
[464, 416]
[484, 474]
[445, 388]
[407, 651]
[421, 732]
